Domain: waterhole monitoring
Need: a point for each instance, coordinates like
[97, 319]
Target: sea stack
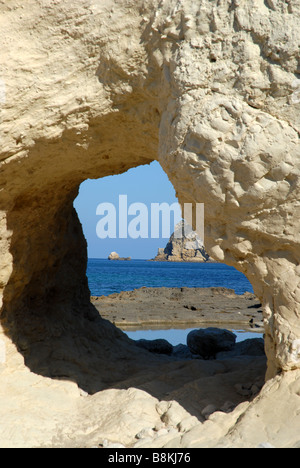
[184, 245]
[116, 256]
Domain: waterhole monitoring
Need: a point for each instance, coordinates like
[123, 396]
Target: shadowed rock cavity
[91, 89]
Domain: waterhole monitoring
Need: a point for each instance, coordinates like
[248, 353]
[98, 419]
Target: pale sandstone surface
[92, 88]
[235, 128]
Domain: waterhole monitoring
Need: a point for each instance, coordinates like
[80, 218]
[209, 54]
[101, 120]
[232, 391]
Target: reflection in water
[177, 336]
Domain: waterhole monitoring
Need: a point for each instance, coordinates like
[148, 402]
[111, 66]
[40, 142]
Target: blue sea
[107, 277]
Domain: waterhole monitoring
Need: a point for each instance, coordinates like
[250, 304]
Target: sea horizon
[106, 277]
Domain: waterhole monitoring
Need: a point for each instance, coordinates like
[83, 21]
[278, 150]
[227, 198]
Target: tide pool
[175, 336]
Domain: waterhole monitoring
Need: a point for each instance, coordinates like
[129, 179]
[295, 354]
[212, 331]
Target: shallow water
[175, 336]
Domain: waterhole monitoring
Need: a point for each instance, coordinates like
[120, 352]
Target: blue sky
[144, 184]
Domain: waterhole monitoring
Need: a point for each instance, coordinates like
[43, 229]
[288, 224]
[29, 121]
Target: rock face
[184, 246]
[93, 88]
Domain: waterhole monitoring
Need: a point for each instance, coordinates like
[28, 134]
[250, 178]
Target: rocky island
[90, 89]
[116, 256]
[184, 245]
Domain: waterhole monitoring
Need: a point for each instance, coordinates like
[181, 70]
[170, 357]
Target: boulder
[250, 347]
[182, 351]
[159, 346]
[209, 341]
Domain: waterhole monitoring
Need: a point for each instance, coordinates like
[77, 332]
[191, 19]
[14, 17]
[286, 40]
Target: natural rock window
[90, 89]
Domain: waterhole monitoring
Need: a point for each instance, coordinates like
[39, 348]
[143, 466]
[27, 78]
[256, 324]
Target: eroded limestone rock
[233, 123]
[91, 88]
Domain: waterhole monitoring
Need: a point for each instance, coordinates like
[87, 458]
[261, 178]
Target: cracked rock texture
[184, 245]
[91, 88]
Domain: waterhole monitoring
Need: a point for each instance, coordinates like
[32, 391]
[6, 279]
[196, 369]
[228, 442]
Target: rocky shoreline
[211, 359]
[157, 308]
[191, 411]
[126, 394]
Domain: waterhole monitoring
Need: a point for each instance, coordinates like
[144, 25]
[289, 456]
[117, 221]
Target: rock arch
[92, 88]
